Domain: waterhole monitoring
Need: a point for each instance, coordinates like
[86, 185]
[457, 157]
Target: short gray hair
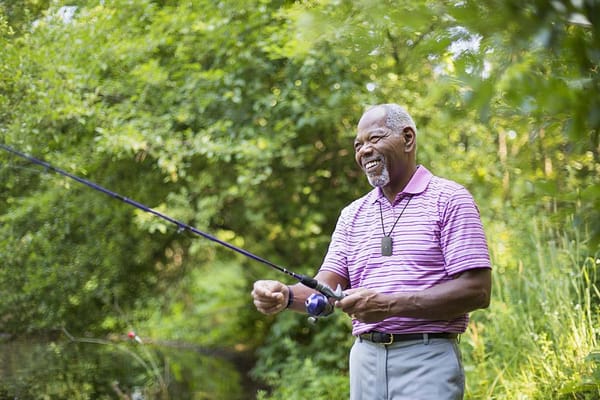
[397, 118]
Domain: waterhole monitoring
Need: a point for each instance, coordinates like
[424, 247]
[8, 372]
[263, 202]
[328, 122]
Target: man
[413, 258]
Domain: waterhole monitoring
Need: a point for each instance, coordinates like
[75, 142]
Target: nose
[364, 150]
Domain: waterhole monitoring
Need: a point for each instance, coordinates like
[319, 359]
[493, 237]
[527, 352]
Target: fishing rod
[316, 305]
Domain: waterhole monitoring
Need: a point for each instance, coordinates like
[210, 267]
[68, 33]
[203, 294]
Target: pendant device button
[386, 246]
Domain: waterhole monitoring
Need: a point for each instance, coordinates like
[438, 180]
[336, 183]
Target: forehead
[372, 121]
[375, 115]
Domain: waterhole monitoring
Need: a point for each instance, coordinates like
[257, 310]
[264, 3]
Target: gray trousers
[429, 369]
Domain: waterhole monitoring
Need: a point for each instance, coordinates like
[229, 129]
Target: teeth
[371, 164]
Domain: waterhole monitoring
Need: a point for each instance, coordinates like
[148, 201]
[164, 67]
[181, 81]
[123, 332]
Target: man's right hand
[270, 297]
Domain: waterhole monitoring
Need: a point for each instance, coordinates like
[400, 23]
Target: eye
[375, 138]
[357, 146]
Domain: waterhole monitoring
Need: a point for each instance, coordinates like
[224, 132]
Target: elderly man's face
[378, 149]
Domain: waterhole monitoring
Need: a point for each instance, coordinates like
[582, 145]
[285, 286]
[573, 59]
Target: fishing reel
[318, 305]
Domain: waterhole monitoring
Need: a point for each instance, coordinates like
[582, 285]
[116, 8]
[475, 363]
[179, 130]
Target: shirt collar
[417, 184]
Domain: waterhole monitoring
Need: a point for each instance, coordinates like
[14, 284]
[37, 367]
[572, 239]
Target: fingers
[270, 297]
[353, 303]
[350, 300]
[366, 305]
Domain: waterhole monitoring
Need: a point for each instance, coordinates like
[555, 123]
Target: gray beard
[379, 180]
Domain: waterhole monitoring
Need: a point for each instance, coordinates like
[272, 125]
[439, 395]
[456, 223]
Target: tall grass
[538, 339]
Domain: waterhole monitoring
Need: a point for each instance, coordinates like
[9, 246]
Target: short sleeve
[462, 237]
[336, 259]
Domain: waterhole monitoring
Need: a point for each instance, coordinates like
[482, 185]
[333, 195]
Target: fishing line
[182, 226]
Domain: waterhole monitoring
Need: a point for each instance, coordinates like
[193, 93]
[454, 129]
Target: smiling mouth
[371, 165]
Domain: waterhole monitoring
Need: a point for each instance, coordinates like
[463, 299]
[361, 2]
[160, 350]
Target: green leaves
[239, 120]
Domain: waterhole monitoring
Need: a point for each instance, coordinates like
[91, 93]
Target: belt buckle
[390, 341]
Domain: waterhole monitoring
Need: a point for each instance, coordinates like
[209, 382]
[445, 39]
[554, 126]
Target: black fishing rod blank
[182, 226]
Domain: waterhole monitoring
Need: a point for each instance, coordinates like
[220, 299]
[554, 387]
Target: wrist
[290, 298]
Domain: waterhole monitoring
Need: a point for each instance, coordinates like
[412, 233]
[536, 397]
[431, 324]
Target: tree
[240, 120]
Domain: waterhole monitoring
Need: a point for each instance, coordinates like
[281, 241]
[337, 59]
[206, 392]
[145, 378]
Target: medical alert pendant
[386, 246]
[386, 240]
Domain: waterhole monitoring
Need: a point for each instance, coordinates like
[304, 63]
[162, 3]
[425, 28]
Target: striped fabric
[439, 235]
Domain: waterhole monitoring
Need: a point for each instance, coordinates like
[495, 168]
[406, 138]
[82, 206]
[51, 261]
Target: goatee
[379, 180]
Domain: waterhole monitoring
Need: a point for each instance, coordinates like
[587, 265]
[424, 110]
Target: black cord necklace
[386, 240]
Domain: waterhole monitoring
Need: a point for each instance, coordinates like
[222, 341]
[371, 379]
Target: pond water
[121, 370]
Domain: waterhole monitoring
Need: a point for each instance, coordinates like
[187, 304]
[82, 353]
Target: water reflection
[74, 370]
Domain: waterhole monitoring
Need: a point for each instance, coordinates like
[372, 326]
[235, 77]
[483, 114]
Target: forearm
[445, 301]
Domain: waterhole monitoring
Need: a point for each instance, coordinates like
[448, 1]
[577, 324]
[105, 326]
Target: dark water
[120, 370]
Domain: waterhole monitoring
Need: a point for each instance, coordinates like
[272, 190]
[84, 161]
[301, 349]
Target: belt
[389, 338]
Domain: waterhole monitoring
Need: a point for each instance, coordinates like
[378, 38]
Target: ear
[410, 139]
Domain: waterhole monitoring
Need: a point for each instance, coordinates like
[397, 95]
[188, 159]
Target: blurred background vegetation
[238, 118]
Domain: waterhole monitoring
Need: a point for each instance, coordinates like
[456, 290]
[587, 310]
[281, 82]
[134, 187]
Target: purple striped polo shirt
[438, 235]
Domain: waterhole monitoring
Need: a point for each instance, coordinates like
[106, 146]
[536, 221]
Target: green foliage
[302, 379]
[200, 310]
[546, 305]
[239, 120]
[300, 360]
[20, 14]
[292, 338]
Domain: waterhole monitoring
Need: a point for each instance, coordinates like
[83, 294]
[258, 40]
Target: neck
[392, 189]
